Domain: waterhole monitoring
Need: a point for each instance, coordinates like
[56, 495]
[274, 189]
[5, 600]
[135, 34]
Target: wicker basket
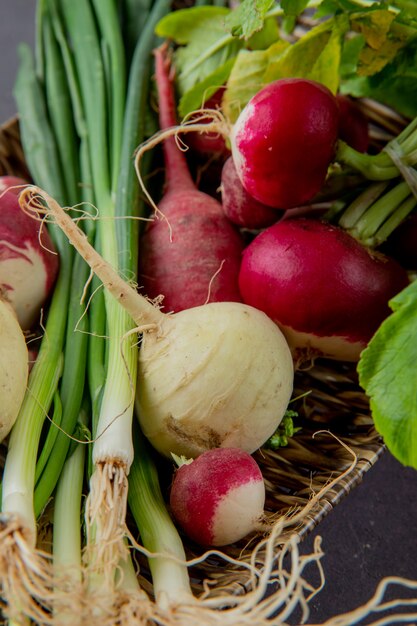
[331, 401]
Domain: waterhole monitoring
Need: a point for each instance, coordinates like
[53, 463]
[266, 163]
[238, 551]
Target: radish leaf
[248, 77]
[315, 56]
[248, 18]
[195, 97]
[204, 44]
[387, 372]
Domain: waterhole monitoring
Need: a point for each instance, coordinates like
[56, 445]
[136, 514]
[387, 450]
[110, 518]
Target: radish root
[218, 125]
[30, 589]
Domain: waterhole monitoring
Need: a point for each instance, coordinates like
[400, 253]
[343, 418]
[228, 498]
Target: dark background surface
[372, 532]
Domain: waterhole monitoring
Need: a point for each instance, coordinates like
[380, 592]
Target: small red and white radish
[284, 141]
[14, 368]
[193, 255]
[219, 497]
[325, 290]
[28, 263]
[239, 207]
[218, 375]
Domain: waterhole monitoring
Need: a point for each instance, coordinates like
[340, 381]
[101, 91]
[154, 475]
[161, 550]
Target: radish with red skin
[12, 183]
[353, 125]
[284, 141]
[219, 497]
[239, 207]
[28, 262]
[325, 290]
[209, 144]
[193, 255]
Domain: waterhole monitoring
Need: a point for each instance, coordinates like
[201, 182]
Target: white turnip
[14, 367]
[218, 375]
[28, 262]
[219, 497]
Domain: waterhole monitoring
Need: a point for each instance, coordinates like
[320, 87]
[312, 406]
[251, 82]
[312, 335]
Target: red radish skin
[209, 144]
[284, 141]
[219, 497]
[28, 263]
[326, 291]
[12, 183]
[196, 259]
[353, 125]
[239, 207]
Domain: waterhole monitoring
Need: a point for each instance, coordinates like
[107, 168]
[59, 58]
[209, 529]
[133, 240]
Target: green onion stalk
[115, 118]
[67, 528]
[388, 188]
[397, 158]
[29, 595]
[158, 533]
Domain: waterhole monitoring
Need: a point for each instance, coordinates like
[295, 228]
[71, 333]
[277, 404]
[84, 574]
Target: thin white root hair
[376, 604]
[26, 575]
[218, 125]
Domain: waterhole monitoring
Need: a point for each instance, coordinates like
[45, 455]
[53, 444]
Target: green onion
[157, 530]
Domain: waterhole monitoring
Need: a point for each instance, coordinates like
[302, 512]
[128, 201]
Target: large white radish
[216, 375]
[13, 368]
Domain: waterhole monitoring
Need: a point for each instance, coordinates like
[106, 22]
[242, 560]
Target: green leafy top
[388, 374]
[248, 18]
[244, 48]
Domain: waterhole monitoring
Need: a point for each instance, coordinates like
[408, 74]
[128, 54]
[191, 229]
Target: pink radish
[284, 141]
[219, 497]
[239, 206]
[28, 263]
[193, 255]
[325, 290]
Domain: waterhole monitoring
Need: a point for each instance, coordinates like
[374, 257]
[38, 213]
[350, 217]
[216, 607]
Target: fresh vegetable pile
[216, 200]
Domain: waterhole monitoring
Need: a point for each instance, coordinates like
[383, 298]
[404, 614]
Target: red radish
[12, 183]
[196, 258]
[219, 497]
[239, 206]
[284, 141]
[28, 263]
[325, 290]
[209, 144]
[353, 125]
